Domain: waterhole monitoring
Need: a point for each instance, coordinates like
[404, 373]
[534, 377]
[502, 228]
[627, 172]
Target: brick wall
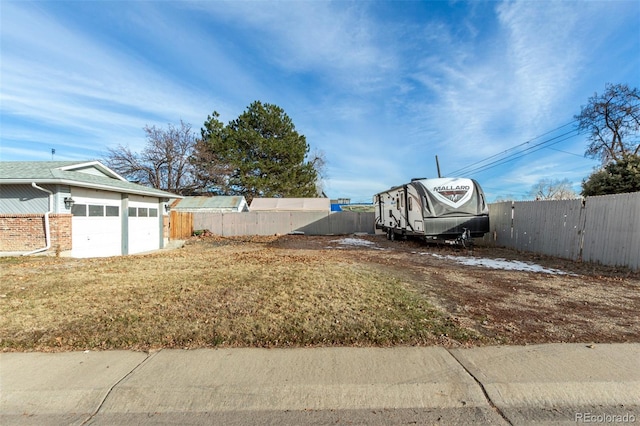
[26, 232]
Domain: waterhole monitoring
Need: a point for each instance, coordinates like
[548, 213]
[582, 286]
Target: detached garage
[81, 208]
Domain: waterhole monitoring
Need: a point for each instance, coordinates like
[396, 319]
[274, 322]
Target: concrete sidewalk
[556, 383]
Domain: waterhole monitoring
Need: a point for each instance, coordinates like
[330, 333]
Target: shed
[217, 204]
[83, 208]
[291, 204]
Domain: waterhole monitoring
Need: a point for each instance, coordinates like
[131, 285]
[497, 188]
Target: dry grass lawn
[212, 293]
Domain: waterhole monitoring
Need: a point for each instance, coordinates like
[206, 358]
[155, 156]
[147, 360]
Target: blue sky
[380, 87]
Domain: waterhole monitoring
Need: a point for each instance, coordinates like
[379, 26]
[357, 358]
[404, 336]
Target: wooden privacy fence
[603, 229]
[180, 225]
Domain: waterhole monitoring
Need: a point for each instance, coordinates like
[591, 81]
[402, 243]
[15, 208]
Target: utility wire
[512, 148]
[539, 146]
[517, 154]
[566, 152]
[523, 153]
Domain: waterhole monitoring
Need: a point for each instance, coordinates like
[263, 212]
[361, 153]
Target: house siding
[25, 199]
[26, 232]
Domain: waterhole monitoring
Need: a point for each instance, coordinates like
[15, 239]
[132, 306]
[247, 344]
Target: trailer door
[414, 214]
[402, 214]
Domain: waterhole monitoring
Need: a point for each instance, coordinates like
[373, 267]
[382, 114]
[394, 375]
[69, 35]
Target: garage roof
[290, 204]
[86, 174]
[204, 203]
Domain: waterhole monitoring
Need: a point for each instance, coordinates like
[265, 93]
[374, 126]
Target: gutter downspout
[47, 231]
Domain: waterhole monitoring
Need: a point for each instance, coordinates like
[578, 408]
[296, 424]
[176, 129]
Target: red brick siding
[61, 232]
[26, 232]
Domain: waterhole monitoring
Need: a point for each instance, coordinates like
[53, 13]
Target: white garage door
[96, 225]
[144, 228]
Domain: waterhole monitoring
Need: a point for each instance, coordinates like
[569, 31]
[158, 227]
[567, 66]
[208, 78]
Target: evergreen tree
[259, 154]
[615, 178]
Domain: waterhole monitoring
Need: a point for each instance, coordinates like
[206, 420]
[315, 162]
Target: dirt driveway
[565, 302]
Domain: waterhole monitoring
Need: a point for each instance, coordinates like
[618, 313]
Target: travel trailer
[445, 209]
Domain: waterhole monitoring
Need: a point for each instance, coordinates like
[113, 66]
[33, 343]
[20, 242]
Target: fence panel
[272, 223]
[311, 224]
[180, 225]
[568, 230]
[501, 224]
[236, 224]
[549, 227]
[347, 222]
[612, 230]
[524, 227]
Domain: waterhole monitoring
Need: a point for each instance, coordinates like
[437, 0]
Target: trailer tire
[392, 235]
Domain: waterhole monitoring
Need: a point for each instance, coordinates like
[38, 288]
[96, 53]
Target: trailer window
[409, 204]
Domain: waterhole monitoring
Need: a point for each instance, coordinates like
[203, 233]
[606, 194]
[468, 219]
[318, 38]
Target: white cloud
[82, 84]
[546, 52]
[337, 42]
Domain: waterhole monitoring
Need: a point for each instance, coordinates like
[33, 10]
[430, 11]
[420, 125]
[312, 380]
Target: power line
[565, 152]
[516, 155]
[512, 148]
[501, 158]
[523, 153]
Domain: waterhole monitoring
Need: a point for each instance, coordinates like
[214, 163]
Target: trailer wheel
[392, 235]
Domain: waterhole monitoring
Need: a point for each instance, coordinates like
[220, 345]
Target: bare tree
[612, 119]
[164, 163]
[212, 174]
[319, 161]
[505, 198]
[547, 189]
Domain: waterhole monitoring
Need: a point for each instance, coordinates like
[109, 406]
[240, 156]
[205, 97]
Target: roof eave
[89, 185]
[97, 164]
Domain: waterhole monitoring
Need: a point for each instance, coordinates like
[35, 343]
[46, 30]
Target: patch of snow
[509, 265]
[353, 242]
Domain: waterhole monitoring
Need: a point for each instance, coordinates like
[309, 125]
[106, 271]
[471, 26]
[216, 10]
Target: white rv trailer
[451, 209]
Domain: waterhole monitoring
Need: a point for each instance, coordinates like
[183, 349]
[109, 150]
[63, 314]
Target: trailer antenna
[438, 166]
